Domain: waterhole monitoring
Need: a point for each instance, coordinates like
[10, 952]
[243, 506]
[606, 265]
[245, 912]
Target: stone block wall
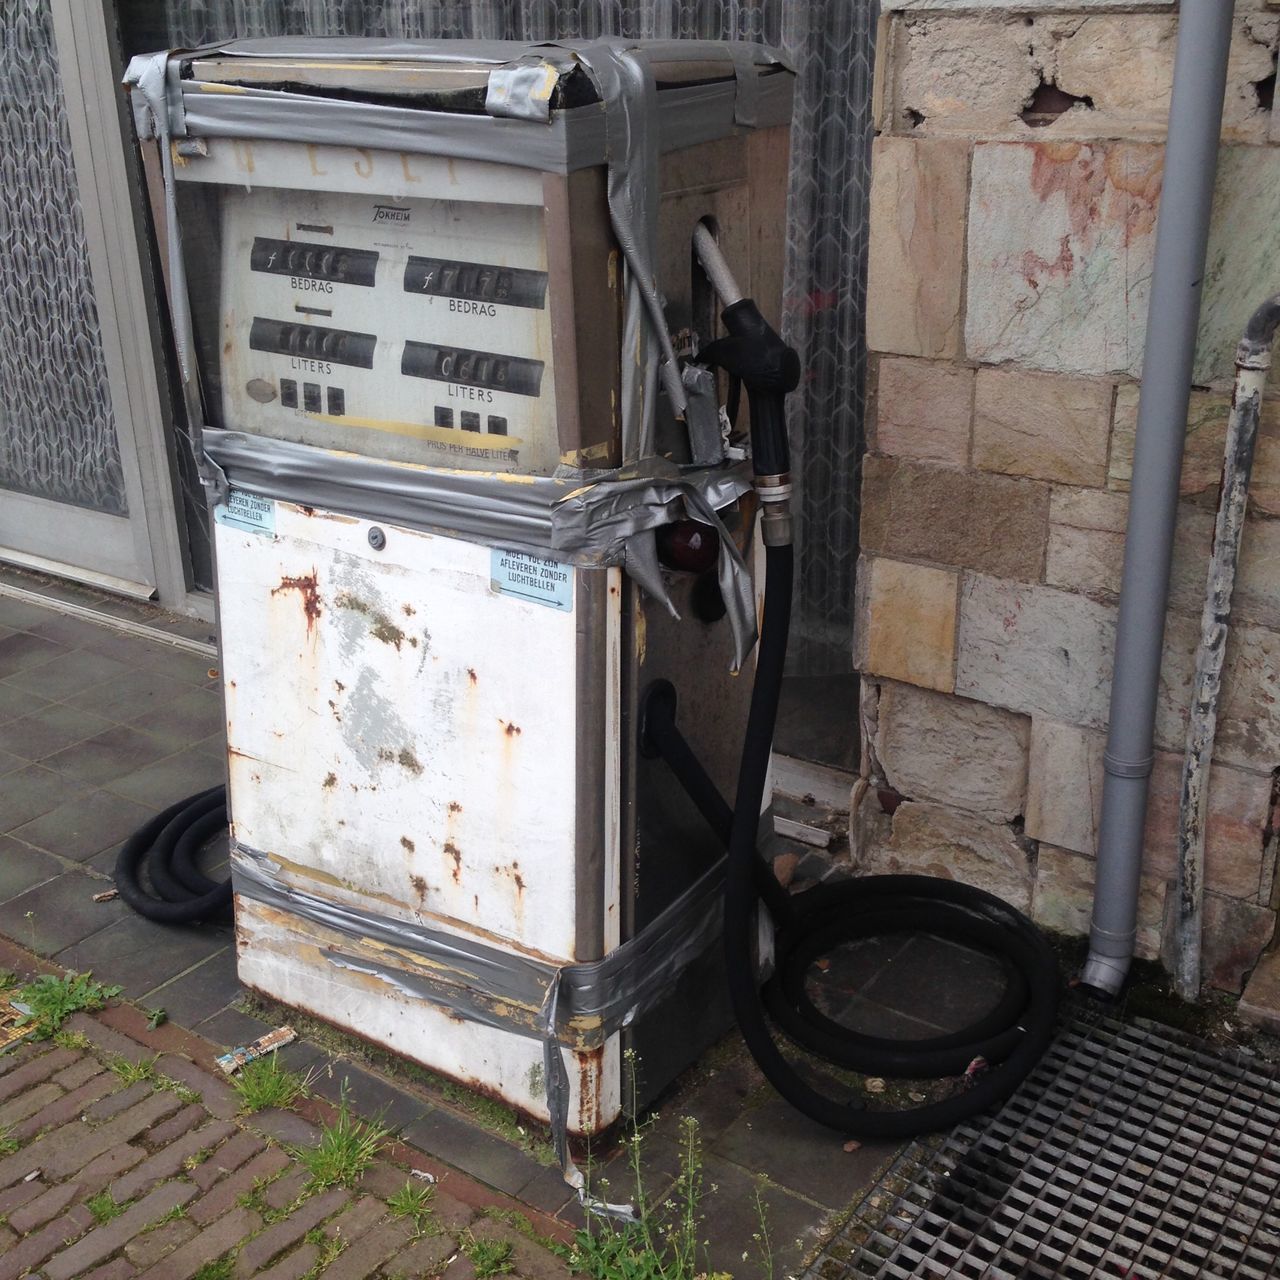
[1016, 186]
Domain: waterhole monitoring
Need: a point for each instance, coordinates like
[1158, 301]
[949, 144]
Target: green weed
[345, 1150]
[264, 1083]
[72, 1040]
[489, 1257]
[413, 1201]
[104, 1206]
[133, 1072]
[53, 1000]
[8, 1143]
[222, 1269]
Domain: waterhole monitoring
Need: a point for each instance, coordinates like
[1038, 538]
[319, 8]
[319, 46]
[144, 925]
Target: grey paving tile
[85, 825]
[20, 615]
[800, 1155]
[467, 1147]
[372, 1096]
[51, 727]
[68, 673]
[146, 655]
[75, 633]
[22, 868]
[22, 650]
[186, 721]
[938, 982]
[169, 780]
[8, 763]
[861, 1014]
[133, 694]
[115, 753]
[138, 954]
[214, 746]
[192, 997]
[28, 792]
[794, 1225]
[54, 915]
[104, 863]
[15, 703]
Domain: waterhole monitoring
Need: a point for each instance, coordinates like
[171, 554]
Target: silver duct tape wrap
[596, 518]
[583, 1004]
[626, 132]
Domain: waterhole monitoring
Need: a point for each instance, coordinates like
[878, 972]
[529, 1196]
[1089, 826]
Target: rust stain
[454, 807]
[308, 587]
[1117, 184]
[517, 877]
[307, 511]
[409, 761]
[337, 684]
[333, 706]
[408, 610]
[513, 730]
[407, 843]
[419, 884]
[331, 780]
[456, 854]
[471, 674]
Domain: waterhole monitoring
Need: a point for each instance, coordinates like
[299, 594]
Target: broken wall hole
[1266, 91]
[1049, 102]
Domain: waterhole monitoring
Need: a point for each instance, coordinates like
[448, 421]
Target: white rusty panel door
[401, 728]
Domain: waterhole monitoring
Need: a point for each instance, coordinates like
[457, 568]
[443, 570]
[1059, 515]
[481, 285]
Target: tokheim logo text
[389, 213]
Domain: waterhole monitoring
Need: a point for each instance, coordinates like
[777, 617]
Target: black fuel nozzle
[769, 369]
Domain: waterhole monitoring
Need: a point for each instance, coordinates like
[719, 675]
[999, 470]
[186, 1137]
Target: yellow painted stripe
[419, 431]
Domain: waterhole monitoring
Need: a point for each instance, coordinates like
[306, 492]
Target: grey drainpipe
[1190, 164]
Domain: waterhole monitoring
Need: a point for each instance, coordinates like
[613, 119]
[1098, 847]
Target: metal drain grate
[1125, 1154]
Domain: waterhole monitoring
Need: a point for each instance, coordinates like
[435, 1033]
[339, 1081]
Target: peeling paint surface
[411, 728]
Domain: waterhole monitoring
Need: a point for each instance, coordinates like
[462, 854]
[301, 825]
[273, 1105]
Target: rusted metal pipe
[1182, 233]
[1253, 359]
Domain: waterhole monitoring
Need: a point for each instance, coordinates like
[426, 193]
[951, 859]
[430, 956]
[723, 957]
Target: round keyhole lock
[377, 539]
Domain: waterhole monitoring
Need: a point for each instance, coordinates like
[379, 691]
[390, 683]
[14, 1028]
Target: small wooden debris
[874, 1084]
[107, 895]
[852, 1145]
[234, 1059]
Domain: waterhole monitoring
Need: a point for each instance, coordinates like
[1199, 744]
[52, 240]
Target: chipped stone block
[1034, 650]
[1061, 238]
[962, 518]
[953, 752]
[1086, 553]
[1045, 426]
[928, 839]
[1233, 937]
[1086, 546]
[1202, 453]
[1064, 804]
[1260, 1003]
[1048, 652]
[922, 410]
[1249, 709]
[1239, 270]
[869, 829]
[906, 622]
[983, 68]
[916, 255]
[1062, 898]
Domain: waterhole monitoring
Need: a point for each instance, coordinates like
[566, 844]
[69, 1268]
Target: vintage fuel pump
[449, 321]
[432, 305]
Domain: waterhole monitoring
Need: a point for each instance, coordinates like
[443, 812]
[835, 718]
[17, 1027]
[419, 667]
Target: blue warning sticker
[247, 511]
[517, 573]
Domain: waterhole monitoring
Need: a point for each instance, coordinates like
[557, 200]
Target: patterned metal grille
[57, 430]
[831, 42]
[1126, 1153]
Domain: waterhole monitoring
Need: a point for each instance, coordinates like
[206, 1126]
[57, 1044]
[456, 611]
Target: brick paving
[201, 1191]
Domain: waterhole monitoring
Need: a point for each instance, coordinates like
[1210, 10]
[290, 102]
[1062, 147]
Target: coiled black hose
[164, 852]
[1009, 1039]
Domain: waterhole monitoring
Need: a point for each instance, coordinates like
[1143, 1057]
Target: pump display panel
[414, 328]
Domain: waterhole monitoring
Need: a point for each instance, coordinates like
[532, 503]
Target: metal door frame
[143, 552]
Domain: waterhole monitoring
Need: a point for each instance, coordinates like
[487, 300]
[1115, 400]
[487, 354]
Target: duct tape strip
[598, 518]
[625, 132]
[574, 1005]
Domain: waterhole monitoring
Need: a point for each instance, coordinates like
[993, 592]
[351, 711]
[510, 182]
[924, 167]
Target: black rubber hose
[1010, 1039]
[164, 853]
